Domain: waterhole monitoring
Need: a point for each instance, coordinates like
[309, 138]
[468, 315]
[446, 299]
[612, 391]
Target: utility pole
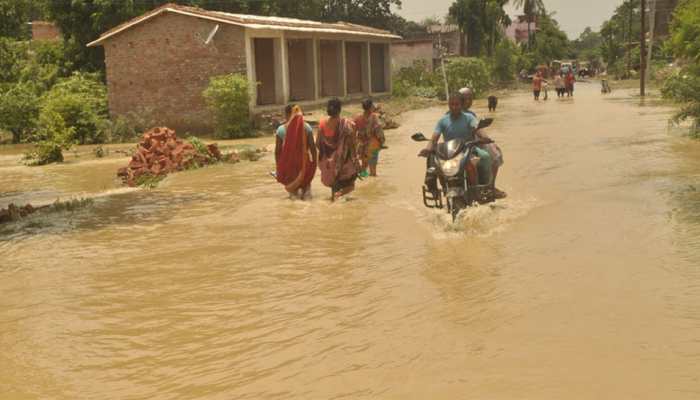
[442, 64]
[652, 26]
[643, 50]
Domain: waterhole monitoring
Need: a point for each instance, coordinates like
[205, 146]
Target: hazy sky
[573, 15]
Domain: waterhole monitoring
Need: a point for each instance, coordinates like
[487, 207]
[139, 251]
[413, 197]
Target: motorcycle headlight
[450, 167]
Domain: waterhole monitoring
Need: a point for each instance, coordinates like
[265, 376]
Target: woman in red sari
[337, 151]
[296, 160]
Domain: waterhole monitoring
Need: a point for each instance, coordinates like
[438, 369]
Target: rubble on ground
[160, 152]
[386, 120]
[14, 212]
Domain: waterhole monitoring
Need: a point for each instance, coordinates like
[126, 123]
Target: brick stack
[161, 152]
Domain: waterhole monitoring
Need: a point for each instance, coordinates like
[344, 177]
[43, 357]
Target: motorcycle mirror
[419, 137]
[485, 123]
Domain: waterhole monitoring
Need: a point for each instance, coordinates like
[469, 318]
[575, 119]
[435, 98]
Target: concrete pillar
[387, 67]
[365, 69]
[250, 69]
[317, 75]
[284, 63]
[344, 70]
[369, 68]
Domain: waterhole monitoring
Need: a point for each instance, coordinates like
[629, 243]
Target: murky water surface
[583, 284]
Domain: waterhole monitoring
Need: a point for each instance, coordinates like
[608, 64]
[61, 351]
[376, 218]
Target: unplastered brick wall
[45, 31]
[162, 66]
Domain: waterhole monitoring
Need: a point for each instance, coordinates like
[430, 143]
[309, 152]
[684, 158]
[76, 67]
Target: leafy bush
[401, 88]
[504, 63]
[56, 137]
[471, 72]
[44, 152]
[19, 110]
[684, 87]
[228, 97]
[416, 80]
[129, 127]
[684, 43]
[81, 101]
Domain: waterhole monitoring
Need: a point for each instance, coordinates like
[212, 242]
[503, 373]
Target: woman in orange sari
[337, 151]
[370, 137]
[296, 157]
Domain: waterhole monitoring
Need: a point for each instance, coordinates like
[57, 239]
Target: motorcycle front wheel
[454, 206]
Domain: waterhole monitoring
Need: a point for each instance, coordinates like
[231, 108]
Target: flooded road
[583, 284]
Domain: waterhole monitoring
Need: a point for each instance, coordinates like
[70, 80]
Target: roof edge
[169, 8]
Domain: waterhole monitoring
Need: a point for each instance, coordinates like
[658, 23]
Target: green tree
[620, 34]
[551, 42]
[15, 16]
[684, 43]
[504, 61]
[19, 110]
[587, 46]
[81, 102]
[481, 20]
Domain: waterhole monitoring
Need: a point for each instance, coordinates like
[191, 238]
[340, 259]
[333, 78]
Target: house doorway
[378, 64]
[301, 69]
[331, 68]
[353, 67]
[265, 70]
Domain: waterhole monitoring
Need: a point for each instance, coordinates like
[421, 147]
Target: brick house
[517, 30]
[162, 61]
[42, 30]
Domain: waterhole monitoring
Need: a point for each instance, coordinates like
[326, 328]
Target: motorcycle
[447, 164]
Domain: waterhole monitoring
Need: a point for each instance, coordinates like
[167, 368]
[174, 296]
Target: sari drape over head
[295, 167]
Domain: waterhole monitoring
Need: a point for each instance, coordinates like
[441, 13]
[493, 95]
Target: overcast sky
[573, 15]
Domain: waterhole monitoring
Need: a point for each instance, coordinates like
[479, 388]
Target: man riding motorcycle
[460, 125]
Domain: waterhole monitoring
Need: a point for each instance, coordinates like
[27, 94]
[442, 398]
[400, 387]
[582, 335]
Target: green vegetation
[684, 43]
[481, 21]
[81, 102]
[227, 97]
[148, 181]
[471, 72]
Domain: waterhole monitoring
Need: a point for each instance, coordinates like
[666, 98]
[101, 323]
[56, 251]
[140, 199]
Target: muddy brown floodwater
[583, 284]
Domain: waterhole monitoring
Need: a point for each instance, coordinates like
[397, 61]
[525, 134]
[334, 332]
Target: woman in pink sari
[296, 160]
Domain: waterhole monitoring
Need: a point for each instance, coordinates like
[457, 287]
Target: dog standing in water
[493, 102]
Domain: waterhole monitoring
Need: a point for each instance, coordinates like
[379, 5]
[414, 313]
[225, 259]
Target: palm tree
[530, 9]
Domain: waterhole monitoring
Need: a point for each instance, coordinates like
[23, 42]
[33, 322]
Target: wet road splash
[582, 284]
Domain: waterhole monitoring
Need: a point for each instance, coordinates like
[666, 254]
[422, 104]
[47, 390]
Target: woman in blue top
[282, 131]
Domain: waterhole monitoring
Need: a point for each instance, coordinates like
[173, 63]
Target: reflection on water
[582, 284]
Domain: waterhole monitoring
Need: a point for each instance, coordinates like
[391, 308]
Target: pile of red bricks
[161, 152]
